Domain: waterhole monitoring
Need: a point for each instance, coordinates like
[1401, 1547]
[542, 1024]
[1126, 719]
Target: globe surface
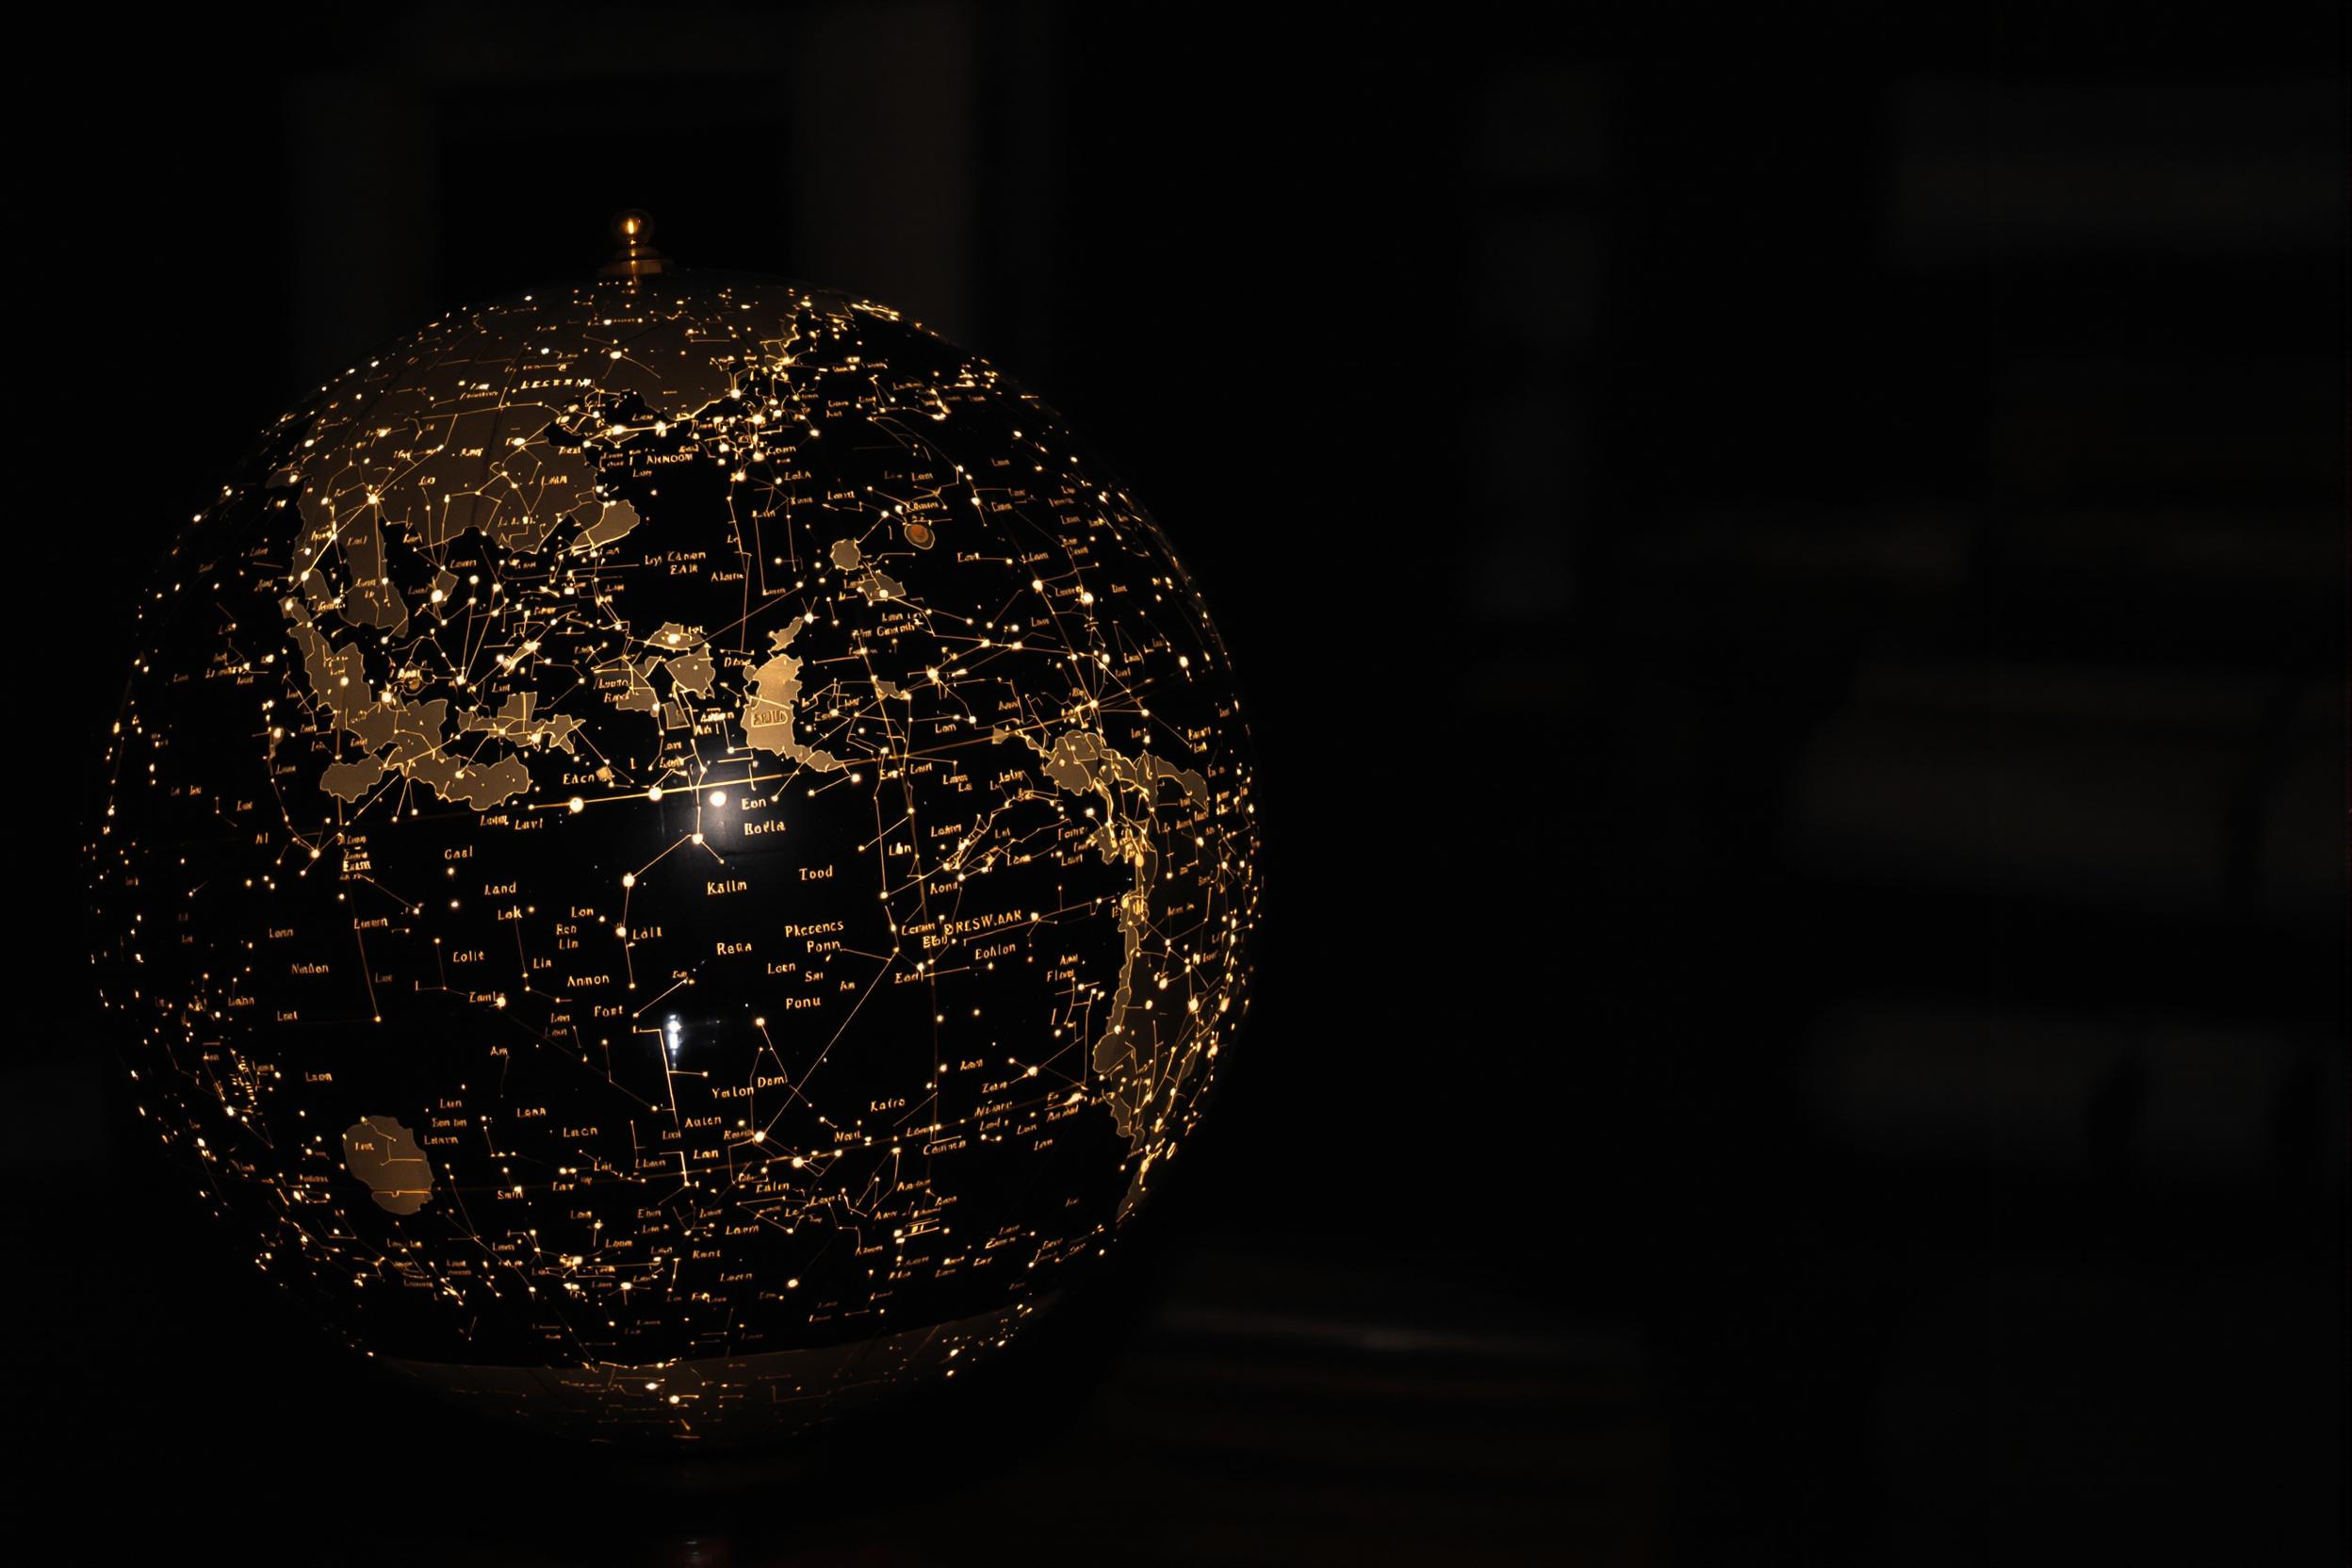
[676, 853]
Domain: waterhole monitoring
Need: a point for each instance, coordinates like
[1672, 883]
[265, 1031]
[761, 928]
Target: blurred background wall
[1789, 577]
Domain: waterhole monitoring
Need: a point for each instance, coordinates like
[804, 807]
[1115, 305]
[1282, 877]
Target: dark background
[1789, 574]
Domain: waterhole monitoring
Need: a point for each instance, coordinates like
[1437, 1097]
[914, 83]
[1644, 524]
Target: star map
[676, 853]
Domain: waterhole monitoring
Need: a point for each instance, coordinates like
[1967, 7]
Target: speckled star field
[677, 852]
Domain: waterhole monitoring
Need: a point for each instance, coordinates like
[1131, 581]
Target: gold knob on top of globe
[636, 257]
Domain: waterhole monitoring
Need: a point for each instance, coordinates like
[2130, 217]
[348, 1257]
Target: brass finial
[635, 258]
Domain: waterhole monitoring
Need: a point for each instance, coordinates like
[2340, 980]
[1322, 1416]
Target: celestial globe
[678, 852]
